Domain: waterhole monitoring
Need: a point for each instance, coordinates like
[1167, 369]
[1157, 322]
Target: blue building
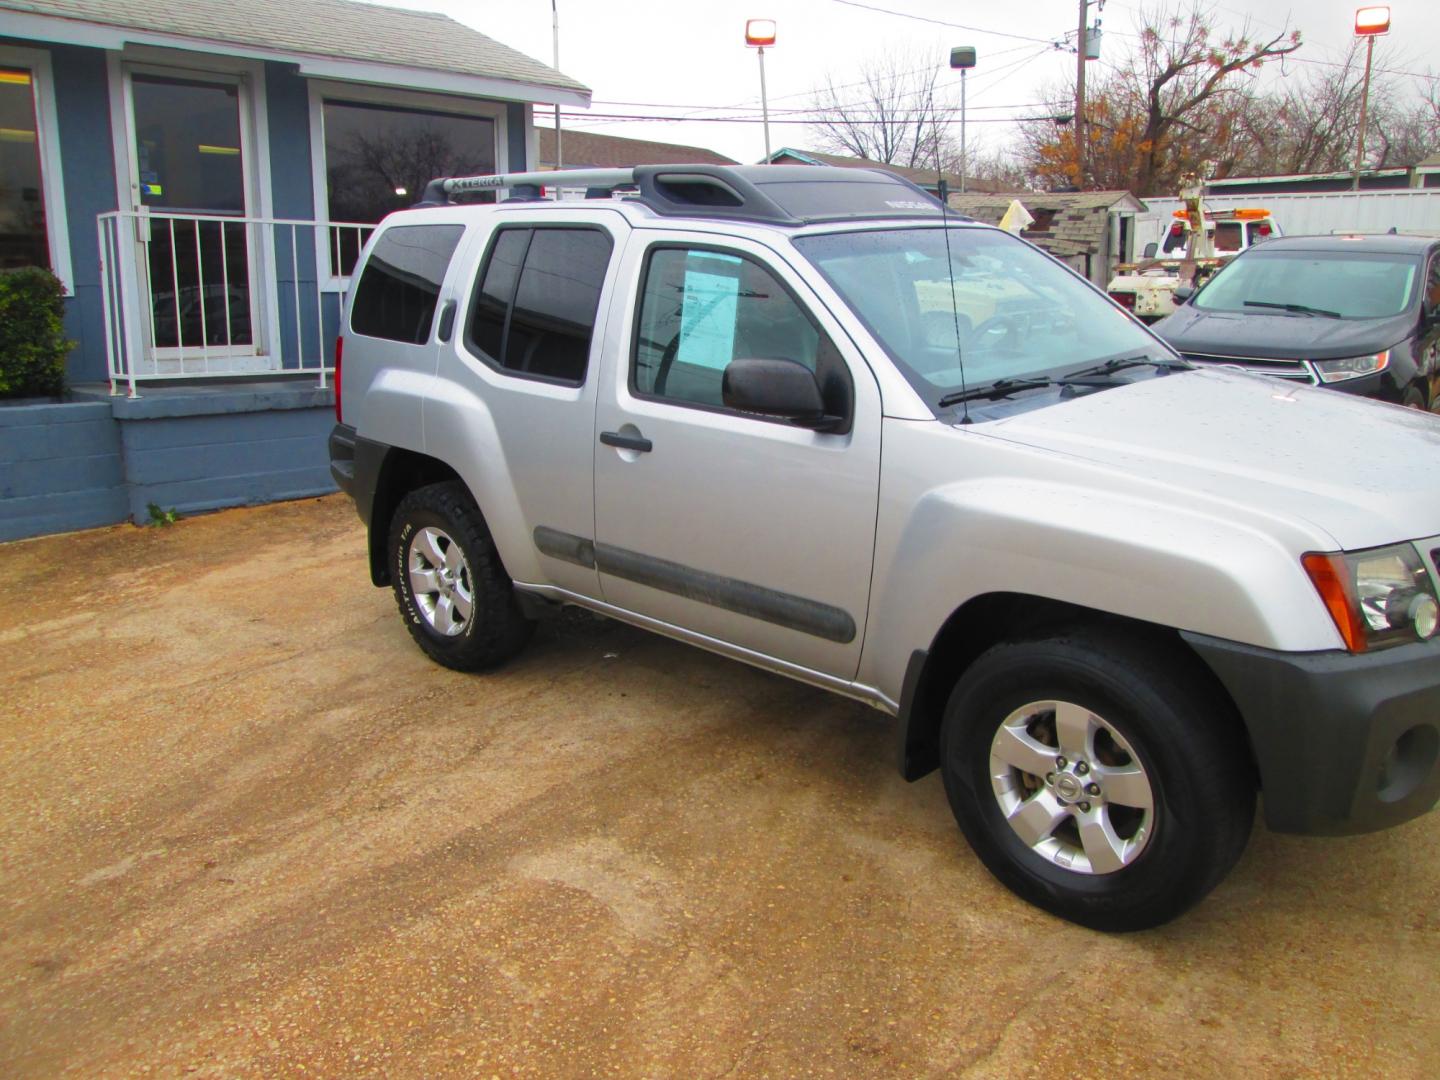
[201, 176]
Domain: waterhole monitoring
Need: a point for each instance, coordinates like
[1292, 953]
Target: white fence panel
[1311, 213]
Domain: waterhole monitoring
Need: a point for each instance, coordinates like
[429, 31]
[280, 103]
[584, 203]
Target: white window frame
[47, 135]
[249, 76]
[363, 94]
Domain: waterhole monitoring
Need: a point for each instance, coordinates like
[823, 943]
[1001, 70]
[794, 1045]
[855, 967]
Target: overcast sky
[677, 57]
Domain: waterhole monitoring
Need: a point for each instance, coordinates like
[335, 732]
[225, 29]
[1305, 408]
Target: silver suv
[806, 419]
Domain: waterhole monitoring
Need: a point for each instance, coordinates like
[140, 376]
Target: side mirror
[1150, 250]
[1183, 293]
[782, 389]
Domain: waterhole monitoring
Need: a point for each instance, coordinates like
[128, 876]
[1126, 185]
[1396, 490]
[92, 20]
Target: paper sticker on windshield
[708, 314]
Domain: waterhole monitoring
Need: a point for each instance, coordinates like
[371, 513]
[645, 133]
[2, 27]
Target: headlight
[1379, 597]
[1351, 367]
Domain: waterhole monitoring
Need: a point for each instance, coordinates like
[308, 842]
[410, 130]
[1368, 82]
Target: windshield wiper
[1099, 374]
[1299, 309]
[1000, 388]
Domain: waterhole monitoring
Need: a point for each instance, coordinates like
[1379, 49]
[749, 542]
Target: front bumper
[1344, 743]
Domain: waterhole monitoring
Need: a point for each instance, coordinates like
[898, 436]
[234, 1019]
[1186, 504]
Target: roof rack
[771, 194]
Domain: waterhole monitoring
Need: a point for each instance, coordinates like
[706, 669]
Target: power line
[581, 118]
[942, 22]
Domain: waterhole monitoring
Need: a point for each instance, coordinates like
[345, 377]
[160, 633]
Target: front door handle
[637, 443]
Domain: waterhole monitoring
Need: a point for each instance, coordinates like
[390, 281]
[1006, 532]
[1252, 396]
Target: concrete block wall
[102, 460]
[204, 450]
[60, 469]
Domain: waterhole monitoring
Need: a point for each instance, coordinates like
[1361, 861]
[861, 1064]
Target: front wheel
[1097, 777]
[457, 601]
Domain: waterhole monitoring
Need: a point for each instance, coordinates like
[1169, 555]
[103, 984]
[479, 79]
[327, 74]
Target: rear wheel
[1097, 778]
[457, 601]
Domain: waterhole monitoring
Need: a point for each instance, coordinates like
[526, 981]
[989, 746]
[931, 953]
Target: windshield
[1018, 312]
[1350, 285]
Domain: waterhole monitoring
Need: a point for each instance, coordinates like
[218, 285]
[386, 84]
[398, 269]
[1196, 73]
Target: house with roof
[1422, 174]
[201, 177]
[928, 179]
[591, 150]
[1091, 231]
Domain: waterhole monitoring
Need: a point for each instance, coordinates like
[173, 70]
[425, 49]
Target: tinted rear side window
[400, 285]
[534, 311]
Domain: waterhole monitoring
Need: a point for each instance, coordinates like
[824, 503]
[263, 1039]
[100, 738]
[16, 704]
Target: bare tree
[1174, 106]
[1405, 129]
[1308, 125]
[896, 113]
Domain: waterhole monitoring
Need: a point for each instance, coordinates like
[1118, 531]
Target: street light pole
[764, 102]
[1364, 109]
[962, 57]
[1370, 23]
[963, 162]
[555, 27]
[758, 34]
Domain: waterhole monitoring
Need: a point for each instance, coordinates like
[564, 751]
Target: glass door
[190, 160]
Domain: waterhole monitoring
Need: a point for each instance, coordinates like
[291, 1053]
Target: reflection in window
[534, 311]
[22, 198]
[400, 287]
[701, 310]
[187, 145]
[378, 158]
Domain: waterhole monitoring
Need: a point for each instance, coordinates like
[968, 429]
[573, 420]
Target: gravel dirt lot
[247, 829]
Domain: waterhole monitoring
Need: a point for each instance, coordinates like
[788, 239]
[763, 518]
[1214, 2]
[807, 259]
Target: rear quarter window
[398, 290]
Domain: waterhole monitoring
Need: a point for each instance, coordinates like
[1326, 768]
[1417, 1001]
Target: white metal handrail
[205, 295]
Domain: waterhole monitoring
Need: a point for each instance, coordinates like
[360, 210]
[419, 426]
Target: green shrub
[33, 346]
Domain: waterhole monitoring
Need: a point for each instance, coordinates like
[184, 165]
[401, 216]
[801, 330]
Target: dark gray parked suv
[1354, 313]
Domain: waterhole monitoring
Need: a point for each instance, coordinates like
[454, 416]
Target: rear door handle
[627, 442]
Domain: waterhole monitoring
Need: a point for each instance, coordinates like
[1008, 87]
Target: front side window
[985, 307]
[1341, 284]
[535, 301]
[23, 240]
[378, 158]
[400, 286]
[701, 309]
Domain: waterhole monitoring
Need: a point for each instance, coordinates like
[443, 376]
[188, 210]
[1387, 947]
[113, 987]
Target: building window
[378, 158]
[23, 237]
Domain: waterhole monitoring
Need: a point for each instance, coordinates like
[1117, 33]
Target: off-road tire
[1181, 731]
[496, 629]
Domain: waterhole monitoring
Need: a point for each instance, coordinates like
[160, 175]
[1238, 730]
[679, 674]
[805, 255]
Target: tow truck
[1198, 243]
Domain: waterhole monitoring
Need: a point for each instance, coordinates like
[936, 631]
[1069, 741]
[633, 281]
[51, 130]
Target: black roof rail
[771, 194]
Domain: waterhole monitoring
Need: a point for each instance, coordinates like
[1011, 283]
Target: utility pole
[555, 27]
[1081, 133]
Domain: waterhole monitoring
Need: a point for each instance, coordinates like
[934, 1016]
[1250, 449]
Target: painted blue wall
[518, 136]
[82, 99]
[60, 469]
[293, 196]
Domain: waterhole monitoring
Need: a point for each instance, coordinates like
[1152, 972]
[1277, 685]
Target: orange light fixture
[1328, 574]
[760, 33]
[1372, 21]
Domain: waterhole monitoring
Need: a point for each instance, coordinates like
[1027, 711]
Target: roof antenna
[954, 310]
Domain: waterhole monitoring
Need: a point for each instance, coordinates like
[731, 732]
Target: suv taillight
[1124, 299]
[339, 350]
